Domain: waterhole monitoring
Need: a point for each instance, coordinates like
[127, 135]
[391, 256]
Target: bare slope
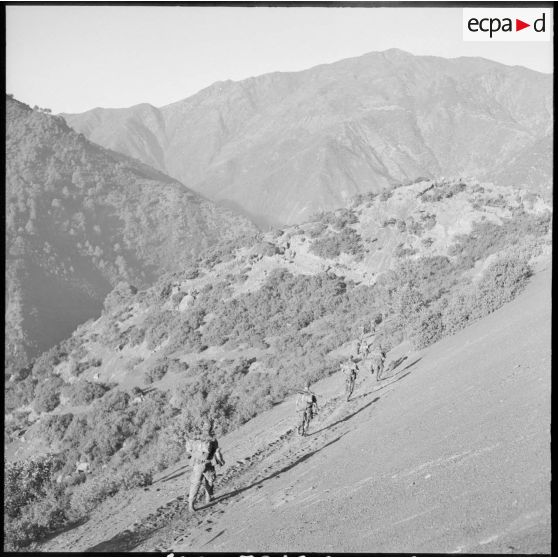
[81, 218]
[449, 454]
[284, 145]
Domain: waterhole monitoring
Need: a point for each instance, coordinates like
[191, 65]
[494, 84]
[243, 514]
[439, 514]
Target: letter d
[540, 20]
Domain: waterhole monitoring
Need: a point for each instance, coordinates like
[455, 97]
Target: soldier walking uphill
[351, 370]
[307, 408]
[205, 455]
[377, 359]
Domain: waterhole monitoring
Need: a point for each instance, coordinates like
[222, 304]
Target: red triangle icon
[519, 25]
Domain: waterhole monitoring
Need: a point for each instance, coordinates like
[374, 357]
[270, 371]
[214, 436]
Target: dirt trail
[450, 454]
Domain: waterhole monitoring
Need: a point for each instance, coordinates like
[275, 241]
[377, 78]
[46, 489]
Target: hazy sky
[74, 58]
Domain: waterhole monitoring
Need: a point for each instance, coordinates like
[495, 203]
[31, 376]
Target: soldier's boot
[208, 492]
[380, 371]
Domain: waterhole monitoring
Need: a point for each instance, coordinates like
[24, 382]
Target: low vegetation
[288, 328]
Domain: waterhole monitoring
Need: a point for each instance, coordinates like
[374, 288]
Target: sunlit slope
[449, 454]
[452, 458]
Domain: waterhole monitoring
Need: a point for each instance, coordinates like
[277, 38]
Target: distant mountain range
[79, 219]
[282, 146]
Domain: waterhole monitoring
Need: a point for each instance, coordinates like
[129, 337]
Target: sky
[75, 58]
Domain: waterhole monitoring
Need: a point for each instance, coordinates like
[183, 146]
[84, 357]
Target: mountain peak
[286, 144]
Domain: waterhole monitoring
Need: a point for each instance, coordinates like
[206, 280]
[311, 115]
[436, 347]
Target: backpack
[201, 450]
[304, 401]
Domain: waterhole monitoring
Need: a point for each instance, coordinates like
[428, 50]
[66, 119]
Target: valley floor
[451, 453]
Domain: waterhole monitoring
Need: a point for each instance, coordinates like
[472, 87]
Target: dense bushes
[453, 311]
[33, 505]
[334, 244]
[338, 219]
[48, 394]
[20, 393]
[77, 368]
[83, 392]
[437, 192]
[274, 309]
[488, 238]
[53, 427]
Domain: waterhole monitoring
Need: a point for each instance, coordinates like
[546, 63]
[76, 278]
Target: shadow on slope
[347, 417]
[276, 473]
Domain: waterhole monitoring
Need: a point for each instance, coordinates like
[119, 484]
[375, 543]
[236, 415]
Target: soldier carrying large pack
[307, 408]
[205, 455]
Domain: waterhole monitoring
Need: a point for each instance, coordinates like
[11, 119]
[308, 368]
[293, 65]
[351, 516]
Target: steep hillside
[233, 334]
[282, 146]
[450, 454]
[80, 219]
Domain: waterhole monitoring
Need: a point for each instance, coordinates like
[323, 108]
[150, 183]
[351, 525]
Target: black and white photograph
[278, 278]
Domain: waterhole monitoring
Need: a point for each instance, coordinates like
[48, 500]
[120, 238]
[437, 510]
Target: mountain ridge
[286, 144]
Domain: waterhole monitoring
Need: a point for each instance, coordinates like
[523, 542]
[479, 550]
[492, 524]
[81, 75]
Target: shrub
[45, 363]
[414, 227]
[26, 481]
[402, 251]
[121, 294]
[86, 497]
[53, 427]
[344, 217]
[83, 392]
[332, 245]
[48, 395]
[428, 328]
[33, 505]
[137, 478]
[114, 401]
[317, 229]
[339, 218]
[20, 393]
[176, 366]
[156, 373]
[265, 249]
[428, 220]
[327, 247]
[401, 225]
[158, 327]
[136, 335]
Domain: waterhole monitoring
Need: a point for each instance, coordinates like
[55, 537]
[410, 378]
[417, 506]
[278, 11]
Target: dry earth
[450, 453]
